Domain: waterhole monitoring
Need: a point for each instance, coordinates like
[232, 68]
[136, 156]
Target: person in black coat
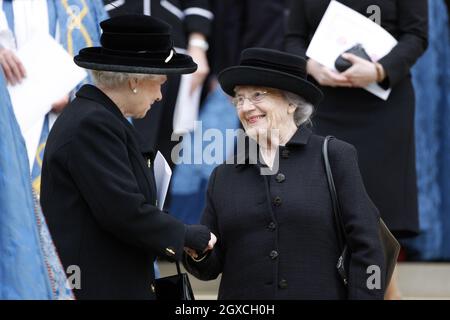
[271, 211]
[98, 191]
[382, 131]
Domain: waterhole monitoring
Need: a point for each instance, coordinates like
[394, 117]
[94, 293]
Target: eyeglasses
[254, 99]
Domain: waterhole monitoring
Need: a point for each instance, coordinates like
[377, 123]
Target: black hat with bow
[135, 44]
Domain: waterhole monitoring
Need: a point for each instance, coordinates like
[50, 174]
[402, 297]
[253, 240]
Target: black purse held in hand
[175, 288]
[391, 247]
[342, 64]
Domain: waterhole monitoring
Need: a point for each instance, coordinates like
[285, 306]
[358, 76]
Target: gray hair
[109, 79]
[304, 109]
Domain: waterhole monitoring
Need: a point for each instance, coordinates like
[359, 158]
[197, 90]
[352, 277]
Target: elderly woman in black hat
[98, 190]
[276, 233]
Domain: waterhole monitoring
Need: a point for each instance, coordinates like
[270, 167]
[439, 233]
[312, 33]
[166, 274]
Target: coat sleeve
[100, 166]
[361, 222]
[297, 35]
[197, 16]
[412, 24]
[211, 266]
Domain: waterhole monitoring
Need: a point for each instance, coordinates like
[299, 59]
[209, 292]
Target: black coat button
[280, 177]
[282, 284]
[273, 254]
[277, 201]
[272, 226]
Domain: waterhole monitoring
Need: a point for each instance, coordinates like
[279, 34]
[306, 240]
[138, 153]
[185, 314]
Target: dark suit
[98, 196]
[382, 131]
[276, 235]
[242, 24]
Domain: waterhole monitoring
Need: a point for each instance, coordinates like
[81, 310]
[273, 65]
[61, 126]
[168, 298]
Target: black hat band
[147, 58]
[297, 70]
[136, 41]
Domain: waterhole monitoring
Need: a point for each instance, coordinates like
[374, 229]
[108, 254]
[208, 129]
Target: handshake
[198, 241]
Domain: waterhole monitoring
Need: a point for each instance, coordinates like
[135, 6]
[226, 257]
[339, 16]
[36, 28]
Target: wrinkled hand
[59, 105]
[12, 66]
[361, 73]
[211, 244]
[199, 76]
[325, 76]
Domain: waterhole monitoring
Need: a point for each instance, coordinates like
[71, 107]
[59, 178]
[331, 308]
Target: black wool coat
[382, 131]
[276, 233]
[98, 196]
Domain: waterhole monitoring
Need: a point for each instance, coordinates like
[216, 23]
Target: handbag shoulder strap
[340, 231]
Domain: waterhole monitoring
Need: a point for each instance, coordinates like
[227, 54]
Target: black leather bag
[391, 246]
[342, 64]
[174, 288]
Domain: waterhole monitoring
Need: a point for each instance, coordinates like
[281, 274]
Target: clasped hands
[359, 75]
[195, 255]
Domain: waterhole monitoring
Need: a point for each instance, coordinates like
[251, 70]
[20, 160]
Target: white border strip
[117, 3]
[147, 7]
[180, 50]
[173, 9]
[200, 12]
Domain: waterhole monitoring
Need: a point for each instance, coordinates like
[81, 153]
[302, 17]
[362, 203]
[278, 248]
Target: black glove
[197, 237]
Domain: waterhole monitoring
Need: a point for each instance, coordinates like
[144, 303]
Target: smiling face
[148, 91]
[262, 110]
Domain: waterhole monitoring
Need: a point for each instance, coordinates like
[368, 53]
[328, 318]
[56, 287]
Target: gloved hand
[197, 237]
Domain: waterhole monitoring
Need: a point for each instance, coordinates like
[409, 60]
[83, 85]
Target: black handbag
[391, 247]
[175, 288]
[342, 64]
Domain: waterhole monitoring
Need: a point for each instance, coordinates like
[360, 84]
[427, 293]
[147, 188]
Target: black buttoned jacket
[276, 233]
[98, 196]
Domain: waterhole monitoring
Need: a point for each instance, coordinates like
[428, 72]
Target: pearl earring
[290, 105]
[135, 90]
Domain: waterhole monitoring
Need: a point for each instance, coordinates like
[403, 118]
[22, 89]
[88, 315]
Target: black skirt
[383, 134]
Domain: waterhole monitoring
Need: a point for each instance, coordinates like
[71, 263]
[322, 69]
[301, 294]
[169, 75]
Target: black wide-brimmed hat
[135, 44]
[273, 69]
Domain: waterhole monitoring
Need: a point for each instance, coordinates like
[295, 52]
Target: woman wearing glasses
[271, 211]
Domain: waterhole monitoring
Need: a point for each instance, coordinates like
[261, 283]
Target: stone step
[424, 280]
[416, 281]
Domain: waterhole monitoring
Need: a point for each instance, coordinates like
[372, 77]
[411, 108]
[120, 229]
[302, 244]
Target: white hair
[112, 80]
[304, 109]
